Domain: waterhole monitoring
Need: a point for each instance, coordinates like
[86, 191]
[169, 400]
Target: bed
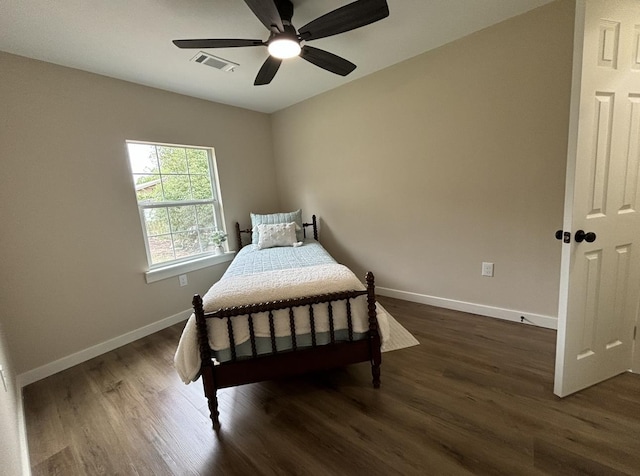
[280, 311]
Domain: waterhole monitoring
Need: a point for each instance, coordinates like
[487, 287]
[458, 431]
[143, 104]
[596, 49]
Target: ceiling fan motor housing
[289, 33]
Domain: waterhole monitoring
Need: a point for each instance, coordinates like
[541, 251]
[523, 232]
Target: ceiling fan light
[284, 48]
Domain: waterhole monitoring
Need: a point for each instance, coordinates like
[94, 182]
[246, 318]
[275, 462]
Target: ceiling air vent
[214, 62]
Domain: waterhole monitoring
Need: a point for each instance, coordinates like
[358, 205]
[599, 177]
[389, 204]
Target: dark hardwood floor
[474, 398]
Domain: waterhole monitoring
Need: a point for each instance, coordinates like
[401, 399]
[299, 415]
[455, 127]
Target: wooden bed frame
[240, 371]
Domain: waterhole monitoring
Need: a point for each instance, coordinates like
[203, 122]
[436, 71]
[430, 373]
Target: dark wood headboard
[313, 223]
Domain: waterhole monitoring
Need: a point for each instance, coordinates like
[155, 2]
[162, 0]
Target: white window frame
[175, 267]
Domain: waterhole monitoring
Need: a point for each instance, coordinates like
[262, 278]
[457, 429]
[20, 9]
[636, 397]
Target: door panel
[600, 281]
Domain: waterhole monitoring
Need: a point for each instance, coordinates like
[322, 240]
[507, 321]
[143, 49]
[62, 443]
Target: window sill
[158, 274]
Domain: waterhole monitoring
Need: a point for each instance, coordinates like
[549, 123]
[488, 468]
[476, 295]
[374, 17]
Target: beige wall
[73, 256]
[424, 170]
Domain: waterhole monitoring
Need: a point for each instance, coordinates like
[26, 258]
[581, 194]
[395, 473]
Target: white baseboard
[539, 320]
[64, 363]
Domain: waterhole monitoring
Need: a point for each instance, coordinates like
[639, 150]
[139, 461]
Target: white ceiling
[131, 40]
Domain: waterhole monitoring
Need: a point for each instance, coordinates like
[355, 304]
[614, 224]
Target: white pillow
[279, 234]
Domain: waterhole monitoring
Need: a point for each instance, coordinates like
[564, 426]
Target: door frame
[635, 354]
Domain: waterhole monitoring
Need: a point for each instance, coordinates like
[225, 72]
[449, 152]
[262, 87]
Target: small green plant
[218, 237]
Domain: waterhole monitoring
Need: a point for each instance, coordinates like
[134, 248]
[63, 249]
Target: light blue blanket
[251, 260]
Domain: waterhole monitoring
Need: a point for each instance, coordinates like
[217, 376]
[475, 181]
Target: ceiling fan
[287, 42]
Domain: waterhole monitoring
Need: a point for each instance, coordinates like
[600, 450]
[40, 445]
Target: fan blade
[218, 43]
[327, 60]
[351, 16]
[267, 13]
[268, 71]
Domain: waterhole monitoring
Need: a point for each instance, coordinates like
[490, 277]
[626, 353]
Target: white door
[600, 280]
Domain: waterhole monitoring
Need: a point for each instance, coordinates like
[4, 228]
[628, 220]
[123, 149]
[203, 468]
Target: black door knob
[581, 236]
[559, 234]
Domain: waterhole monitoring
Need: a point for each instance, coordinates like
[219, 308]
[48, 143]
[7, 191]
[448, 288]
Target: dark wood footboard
[294, 361]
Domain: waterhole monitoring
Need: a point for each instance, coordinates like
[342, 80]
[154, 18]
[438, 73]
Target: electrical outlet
[183, 280]
[487, 269]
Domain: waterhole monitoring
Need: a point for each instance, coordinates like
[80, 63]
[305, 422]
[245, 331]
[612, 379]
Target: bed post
[206, 366]
[315, 227]
[238, 236]
[374, 335]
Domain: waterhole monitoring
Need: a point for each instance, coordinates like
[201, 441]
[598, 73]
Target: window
[178, 201]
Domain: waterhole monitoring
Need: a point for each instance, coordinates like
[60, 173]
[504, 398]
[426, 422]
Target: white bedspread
[270, 286]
